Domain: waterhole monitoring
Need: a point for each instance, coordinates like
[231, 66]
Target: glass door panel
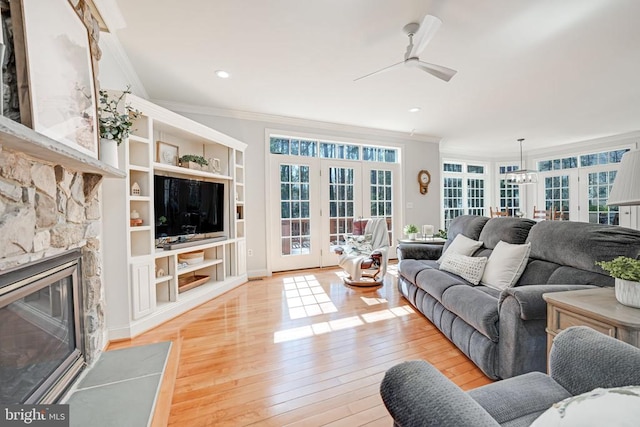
[342, 202]
[294, 242]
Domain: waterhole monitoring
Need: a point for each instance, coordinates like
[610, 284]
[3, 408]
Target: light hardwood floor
[298, 348]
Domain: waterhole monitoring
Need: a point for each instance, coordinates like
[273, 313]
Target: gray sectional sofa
[503, 332]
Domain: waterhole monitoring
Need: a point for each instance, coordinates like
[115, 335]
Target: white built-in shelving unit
[144, 285]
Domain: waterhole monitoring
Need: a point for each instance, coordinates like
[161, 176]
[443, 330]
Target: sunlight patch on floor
[342, 274]
[339, 324]
[306, 297]
[373, 301]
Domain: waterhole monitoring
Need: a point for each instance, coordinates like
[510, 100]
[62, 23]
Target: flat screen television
[186, 206]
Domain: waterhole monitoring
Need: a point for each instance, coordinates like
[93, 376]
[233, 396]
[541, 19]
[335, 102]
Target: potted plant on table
[626, 271]
[411, 231]
[116, 120]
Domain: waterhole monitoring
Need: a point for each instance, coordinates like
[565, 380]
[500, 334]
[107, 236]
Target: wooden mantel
[19, 138]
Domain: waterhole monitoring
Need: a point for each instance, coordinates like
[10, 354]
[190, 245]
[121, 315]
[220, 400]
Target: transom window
[332, 150]
[594, 159]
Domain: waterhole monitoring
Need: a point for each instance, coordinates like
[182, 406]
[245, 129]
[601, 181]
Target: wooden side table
[596, 308]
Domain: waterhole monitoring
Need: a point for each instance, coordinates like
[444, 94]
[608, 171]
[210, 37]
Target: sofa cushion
[435, 282]
[505, 265]
[467, 225]
[519, 398]
[573, 276]
[467, 267]
[475, 307]
[409, 268]
[461, 245]
[510, 230]
[581, 244]
[537, 272]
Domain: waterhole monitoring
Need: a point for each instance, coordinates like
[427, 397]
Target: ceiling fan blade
[439, 71]
[428, 28]
[382, 70]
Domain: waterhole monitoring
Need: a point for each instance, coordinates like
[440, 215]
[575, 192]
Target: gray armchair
[417, 394]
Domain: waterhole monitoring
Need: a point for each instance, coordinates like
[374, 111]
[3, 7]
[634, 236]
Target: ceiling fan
[419, 36]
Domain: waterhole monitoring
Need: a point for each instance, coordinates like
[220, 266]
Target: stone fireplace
[50, 206]
[50, 211]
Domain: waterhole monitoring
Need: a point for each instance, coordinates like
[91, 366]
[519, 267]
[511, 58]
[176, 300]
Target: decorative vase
[628, 292]
[109, 152]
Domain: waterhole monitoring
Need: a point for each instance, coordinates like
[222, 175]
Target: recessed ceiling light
[223, 74]
[414, 109]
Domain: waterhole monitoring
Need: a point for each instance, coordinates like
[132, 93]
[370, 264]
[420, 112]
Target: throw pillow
[505, 265]
[461, 245]
[619, 406]
[468, 267]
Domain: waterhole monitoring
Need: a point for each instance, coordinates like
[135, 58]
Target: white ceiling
[550, 71]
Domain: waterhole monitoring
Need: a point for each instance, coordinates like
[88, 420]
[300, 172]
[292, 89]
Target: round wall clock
[424, 179]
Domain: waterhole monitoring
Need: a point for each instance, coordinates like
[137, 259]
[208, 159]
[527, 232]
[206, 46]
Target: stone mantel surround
[49, 203]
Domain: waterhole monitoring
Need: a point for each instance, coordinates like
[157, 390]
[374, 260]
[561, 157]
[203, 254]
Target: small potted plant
[411, 231]
[442, 234]
[626, 271]
[193, 161]
[116, 120]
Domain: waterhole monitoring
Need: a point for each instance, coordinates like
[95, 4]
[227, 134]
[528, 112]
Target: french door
[314, 201]
[582, 195]
[595, 186]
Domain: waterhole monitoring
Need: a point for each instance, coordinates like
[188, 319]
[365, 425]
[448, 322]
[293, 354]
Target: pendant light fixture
[521, 176]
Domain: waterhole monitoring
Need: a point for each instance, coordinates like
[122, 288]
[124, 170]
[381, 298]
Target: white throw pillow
[461, 245]
[468, 267]
[618, 406]
[505, 265]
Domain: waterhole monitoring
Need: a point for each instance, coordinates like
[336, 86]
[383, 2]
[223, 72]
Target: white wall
[116, 73]
[416, 155]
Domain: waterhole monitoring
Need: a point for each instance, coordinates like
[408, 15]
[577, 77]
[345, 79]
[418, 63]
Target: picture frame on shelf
[167, 154]
[61, 105]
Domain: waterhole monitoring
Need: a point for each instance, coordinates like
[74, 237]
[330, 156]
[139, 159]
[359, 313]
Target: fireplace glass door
[38, 334]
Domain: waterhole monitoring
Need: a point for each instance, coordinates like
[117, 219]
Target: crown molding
[572, 147]
[608, 142]
[293, 121]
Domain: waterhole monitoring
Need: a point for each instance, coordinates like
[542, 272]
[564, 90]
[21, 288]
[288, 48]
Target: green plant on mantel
[195, 159]
[622, 268]
[410, 229]
[116, 122]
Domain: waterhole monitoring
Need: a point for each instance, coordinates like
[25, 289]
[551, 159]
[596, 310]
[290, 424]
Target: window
[294, 209]
[381, 187]
[453, 200]
[509, 195]
[558, 164]
[475, 196]
[600, 184]
[331, 150]
[556, 190]
[603, 158]
[464, 190]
